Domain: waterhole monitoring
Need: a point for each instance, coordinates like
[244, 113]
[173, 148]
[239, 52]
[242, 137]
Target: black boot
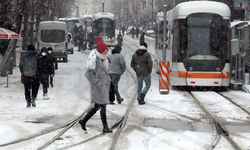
[33, 102]
[87, 117]
[141, 99]
[104, 120]
[28, 104]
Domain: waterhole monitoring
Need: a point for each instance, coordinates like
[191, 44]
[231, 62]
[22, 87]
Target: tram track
[219, 128]
[119, 124]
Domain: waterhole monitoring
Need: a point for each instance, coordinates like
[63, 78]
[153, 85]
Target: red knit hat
[98, 39]
[101, 47]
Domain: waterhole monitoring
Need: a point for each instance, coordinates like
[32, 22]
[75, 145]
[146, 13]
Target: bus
[104, 25]
[199, 39]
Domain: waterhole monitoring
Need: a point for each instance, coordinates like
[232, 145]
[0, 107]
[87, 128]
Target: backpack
[29, 66]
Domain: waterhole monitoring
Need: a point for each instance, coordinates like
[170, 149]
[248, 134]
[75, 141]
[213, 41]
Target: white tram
[199, 36]
[104, 25]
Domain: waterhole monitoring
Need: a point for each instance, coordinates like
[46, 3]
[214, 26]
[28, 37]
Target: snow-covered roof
[103, 15]
[52, 25]
[182, 10]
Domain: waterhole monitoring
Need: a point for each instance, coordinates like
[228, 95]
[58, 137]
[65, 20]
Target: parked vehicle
[70, 43]
[53, 34]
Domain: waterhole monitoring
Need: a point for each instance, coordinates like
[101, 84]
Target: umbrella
[7, 34]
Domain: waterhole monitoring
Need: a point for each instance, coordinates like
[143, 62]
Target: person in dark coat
[123, 30]
[31, 83]
[133, 32]
[53, 60]
[98, 77]
[137, 32]
[46, 68]
[142, 38]
[119, 39]
[142, 64]
[116, 68]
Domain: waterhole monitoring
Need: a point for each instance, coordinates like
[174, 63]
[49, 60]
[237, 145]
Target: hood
[140, 52]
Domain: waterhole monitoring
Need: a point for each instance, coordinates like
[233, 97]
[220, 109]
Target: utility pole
[102, 6]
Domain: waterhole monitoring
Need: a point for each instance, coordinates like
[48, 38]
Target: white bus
[104, 25]
[198, 44]
[53, 34]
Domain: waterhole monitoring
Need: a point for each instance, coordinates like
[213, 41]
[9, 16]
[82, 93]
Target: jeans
[115, 78]
[147, 80]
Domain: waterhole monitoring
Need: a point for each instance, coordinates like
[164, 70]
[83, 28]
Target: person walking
[137, 32]
[46, 68]
[98, 77]
[116, 69]
[28, 66]
[142, 64]
[142, 37]
[133, 32]
[119, 38]
[123, 30]
[53, 60]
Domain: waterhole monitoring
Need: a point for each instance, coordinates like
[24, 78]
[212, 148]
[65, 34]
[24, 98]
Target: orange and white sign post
[164, 77]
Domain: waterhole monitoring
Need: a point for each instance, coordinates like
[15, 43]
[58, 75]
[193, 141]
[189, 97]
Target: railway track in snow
[119, 125]
[220, 109]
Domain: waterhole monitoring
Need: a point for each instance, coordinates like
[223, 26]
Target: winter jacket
[45, 65]
[117, 65]
[141, 62]
[99, 83]
[25, 55]
[53, 60]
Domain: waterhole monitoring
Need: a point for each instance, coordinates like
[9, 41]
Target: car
[129, 29]
[70, 43]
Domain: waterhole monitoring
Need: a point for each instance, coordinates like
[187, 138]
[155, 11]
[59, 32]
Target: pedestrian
[28, 66]
[98, 77]
[53, 60]
[133, 32]
[123, 30]
[142, 64]
[137, 32]
[116, 68]
[119, 38]
[46, 68]
[142, 37]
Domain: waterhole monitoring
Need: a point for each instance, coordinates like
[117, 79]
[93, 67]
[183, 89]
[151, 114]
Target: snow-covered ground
[172, 121]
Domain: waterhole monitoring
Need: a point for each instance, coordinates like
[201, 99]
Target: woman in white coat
[98, 77]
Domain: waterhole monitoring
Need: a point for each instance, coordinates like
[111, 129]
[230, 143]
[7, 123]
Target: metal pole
[152, 14]
[164, 32]
[102, 6]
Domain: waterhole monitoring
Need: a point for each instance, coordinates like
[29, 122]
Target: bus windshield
[206, 35]
[53, 36]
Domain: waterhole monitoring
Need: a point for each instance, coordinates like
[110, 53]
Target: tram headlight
[109, 38]
[217, 68]
[191, 68]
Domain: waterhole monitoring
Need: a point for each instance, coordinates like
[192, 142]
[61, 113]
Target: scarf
[91, 62]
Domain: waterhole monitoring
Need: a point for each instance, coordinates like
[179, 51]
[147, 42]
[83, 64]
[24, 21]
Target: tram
[104, 25]
[199, 37]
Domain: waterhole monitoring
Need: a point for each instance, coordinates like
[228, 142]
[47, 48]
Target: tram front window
[105, 27]
[205, 37]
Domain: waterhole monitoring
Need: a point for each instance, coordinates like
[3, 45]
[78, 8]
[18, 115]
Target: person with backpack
[46, 68]
[30, 75]
[53, 60]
